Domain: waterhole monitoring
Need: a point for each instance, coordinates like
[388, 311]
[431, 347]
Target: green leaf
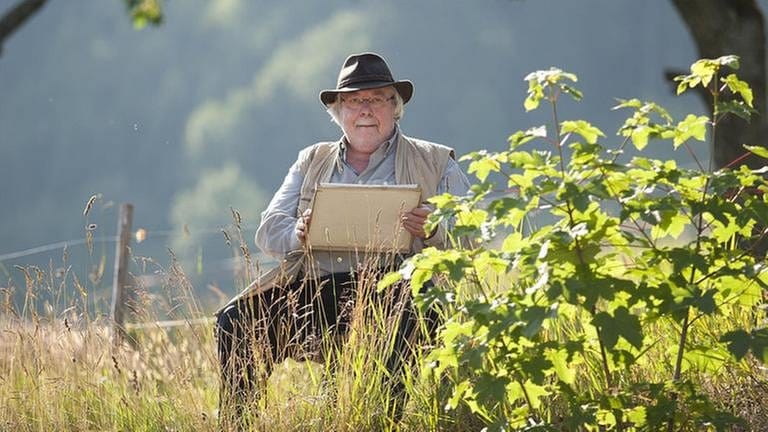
[564, 370]
[738, 108]
[637, 415]
[388, 280]
[535, 393]
[542, 79]
[444, 201]
[758, 150]
[627, 103]
[704, 70]
[533, 317]
[521, 137]
[139, 22]
[620, 324]
[671, 224]
[583, 128]
[606, 419]
[471, 218]
[535, 94]
[704, 358]
[724, 232]
[574, 194]
[461, 392]
[535, 365]
[704, 301]
[483, 167]
[691, 127]
[485, 263]
[490, 388]
[145, 12]
[508, 212]
[640, 137]
[502, 206]
[419, 277]
[640, 127]
[575, 93]
[740, 342]
[513, 243]
[617, 182]
[732, 61]
[739, 87]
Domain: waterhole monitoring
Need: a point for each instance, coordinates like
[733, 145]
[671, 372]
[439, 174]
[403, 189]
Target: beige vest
[416, 162]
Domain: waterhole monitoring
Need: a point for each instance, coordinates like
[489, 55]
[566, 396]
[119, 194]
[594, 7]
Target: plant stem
[699, 230]
[681, 346]
[527, 398]
[571, 223]
[559, 144]
[606, 369]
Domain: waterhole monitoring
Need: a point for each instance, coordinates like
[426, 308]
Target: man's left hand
[414, 221]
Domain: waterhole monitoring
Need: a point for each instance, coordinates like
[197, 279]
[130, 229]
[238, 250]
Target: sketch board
[361, 217]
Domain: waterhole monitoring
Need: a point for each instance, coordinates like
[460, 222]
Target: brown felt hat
[365, 71]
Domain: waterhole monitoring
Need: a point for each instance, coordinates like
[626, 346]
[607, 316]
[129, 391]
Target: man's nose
[366, 106]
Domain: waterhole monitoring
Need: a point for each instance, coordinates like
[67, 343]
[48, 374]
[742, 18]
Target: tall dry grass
[60, 372]
[59, 369]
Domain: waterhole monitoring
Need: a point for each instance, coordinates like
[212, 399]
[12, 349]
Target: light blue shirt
[276, 234]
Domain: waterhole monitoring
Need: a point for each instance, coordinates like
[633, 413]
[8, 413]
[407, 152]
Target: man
[307, 298]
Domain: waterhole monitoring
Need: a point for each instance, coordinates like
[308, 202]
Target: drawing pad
[361, 217]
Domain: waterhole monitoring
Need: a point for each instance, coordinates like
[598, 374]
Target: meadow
[637, 304]
[59, 370]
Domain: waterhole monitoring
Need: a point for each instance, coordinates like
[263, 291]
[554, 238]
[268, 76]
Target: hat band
[368, 78]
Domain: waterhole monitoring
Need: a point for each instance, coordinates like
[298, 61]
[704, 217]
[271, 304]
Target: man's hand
[414, 221]
[302, 225]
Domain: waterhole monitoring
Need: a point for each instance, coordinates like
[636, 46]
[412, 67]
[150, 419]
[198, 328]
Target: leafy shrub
[595, 293]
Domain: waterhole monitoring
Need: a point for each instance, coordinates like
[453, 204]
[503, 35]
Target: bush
[594, 292]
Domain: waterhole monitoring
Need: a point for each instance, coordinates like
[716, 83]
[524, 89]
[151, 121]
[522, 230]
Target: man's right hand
[302, 225]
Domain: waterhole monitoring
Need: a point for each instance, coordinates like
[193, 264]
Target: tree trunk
[721, 27]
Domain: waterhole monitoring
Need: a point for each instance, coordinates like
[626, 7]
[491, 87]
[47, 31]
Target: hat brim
[404, 87]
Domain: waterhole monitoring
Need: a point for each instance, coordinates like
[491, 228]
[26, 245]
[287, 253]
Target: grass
[62, 376]
[59, 371]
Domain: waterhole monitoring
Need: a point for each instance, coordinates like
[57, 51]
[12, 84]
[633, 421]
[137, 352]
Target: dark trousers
[297, 320]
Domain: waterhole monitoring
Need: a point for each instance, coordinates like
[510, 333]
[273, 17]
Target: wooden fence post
[120, 294]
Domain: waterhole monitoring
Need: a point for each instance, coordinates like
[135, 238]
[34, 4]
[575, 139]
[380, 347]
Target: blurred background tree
[722, 27]
[142, 12]
[16, 16]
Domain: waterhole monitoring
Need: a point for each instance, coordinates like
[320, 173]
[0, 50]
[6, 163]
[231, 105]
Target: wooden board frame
[362, 218]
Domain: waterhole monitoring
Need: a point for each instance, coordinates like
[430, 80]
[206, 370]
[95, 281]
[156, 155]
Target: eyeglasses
[358, 102]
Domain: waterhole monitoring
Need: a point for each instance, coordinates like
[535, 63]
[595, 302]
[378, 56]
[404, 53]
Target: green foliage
[566, 269]
[548, 84]
[705, 71]
[145, 12]
[740, 342]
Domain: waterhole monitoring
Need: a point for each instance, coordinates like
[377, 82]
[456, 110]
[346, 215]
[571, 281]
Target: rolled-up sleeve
[276, 233]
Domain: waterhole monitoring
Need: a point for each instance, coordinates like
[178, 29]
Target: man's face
[368, 117]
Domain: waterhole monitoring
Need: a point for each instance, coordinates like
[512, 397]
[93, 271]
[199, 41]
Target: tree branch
[16, 17]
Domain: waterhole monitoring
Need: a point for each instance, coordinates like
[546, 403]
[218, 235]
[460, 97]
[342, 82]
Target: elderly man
[307, 298]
